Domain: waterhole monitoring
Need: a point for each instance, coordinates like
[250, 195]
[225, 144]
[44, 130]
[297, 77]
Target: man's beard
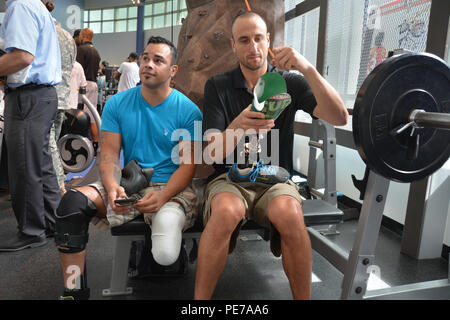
[156, 85]
[252, 67]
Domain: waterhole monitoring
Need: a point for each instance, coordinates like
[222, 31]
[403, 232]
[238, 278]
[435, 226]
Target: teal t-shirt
[150, 133]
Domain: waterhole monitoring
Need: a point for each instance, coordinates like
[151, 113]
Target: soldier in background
[68, 51]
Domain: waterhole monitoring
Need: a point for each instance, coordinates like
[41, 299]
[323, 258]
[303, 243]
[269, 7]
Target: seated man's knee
[286, 214]
[73, 215]
[229, 209]
[167, 227]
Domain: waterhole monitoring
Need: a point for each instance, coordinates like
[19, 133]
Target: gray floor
[251, 273]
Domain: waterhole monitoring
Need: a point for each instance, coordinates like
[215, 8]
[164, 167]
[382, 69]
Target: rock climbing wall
[204, 42]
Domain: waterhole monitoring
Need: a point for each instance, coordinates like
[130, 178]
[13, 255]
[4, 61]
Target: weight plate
[394, 88]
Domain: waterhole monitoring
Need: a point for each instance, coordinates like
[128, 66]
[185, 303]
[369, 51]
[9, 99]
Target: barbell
[401, 117]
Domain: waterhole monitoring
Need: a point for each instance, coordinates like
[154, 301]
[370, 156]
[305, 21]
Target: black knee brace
[73, 215]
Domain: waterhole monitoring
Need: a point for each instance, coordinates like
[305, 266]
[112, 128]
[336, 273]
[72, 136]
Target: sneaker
[21, 241]
[75, 294]
[257, 175]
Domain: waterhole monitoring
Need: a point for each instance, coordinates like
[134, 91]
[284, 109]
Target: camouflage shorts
[187, 199]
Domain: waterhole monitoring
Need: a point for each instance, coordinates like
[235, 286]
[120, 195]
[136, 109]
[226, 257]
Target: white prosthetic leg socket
[167, 227]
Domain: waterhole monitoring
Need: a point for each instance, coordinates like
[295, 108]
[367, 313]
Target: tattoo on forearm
[117, 172]
[106, 162]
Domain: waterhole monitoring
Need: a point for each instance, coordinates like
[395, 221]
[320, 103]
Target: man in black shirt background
[227, 103]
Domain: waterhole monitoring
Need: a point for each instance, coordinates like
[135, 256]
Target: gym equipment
[397, 141]
[402, 116]
[323, 205]
[77, 152]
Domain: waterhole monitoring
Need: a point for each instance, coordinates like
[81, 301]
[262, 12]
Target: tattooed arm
[109, 168]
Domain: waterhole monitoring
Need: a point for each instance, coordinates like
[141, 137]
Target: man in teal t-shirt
[149, 132]
[154, 125]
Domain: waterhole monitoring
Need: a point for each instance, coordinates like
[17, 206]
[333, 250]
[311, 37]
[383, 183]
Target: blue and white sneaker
[257, 175]
[75, 294]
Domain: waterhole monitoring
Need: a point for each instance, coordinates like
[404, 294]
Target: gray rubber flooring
[251, 273]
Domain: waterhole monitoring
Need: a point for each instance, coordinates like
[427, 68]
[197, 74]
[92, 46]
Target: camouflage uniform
[68, 57]
[187, 199]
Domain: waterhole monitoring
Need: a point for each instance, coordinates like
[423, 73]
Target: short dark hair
[76, 33]
[245, 14]
[133, 55]
[173, 50]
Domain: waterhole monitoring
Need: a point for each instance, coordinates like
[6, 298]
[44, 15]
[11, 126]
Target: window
[148, 10]
[302, 34]
[96, 26]
[148, 23]
[158, 14]
[95, 15]
[360, 35]
[121, 13]
[108, 26]
[132, 25]
[164, 14]
[158, 22]
[291, 4]
[108, 14]
[159, 8]
[132, 12]
[121, 26]
[169, 20]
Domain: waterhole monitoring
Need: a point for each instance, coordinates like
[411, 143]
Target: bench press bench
[316, 212]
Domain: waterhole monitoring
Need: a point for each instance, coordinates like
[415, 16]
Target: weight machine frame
[356, 264]
[93, 174]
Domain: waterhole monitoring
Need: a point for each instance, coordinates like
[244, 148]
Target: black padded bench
[316, 212]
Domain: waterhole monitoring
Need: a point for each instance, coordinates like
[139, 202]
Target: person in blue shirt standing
[155, 125]
[30, 109]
